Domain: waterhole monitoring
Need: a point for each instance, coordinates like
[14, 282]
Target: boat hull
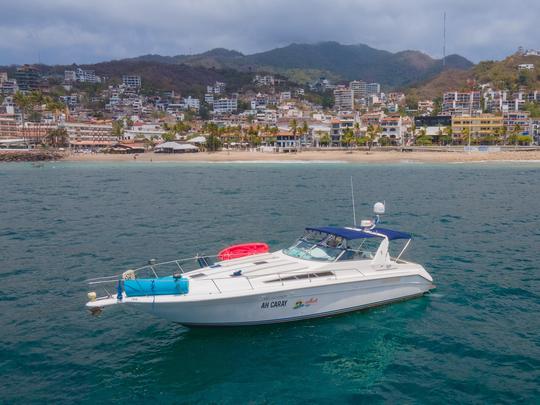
[285, 305]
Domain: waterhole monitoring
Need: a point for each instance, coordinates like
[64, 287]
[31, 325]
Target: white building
[225, 105]
[192, 103]
[217, 88]
[359, 88]
[393, 129]
[209, 98]
[373, 89]
[70, 76]
[148, 131]
[285, 95]
[131, 81]
[526, 66]
[343, 98]
[261, 80]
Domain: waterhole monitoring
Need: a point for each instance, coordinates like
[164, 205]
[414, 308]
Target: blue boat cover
[156, 286]
[352, 233]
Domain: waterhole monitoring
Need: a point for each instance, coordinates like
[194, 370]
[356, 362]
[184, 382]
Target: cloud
[62, 31]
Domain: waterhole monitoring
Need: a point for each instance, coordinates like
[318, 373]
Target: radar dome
[378, 208]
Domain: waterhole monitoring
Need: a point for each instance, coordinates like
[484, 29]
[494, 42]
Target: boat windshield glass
[317, 246]
[320, 246]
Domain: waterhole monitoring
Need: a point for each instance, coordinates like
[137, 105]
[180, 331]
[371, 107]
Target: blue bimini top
[355, 233]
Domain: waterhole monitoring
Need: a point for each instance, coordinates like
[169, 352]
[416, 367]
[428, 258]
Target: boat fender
[119, 290]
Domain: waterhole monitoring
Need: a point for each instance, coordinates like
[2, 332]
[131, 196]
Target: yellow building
[478, 126]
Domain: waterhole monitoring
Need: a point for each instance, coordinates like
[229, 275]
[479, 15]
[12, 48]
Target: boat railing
[183, 266]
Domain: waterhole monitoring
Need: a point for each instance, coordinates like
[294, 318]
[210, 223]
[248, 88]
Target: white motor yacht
[327, 271]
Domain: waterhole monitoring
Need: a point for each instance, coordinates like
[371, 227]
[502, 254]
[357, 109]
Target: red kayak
[245, 249]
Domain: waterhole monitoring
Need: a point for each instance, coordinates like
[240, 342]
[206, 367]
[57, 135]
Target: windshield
[314, 245]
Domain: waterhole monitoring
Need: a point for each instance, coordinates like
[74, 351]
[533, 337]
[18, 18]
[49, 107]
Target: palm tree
[448, 134]
[24, 103]
[348, 137]
[516, 131]
[466, 134]
[57, 137]
[293, 126]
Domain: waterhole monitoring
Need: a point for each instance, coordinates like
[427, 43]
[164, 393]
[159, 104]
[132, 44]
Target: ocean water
[476, 339]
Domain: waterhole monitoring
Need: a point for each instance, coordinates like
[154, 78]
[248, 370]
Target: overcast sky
[67, 31]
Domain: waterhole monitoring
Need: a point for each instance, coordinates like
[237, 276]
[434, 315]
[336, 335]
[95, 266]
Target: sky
[67, 31]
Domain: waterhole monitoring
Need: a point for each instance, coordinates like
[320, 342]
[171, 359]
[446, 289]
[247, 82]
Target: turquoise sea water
[476, 339]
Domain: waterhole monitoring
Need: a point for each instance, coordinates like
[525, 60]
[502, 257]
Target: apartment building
[131, 81]
[81, 75]
[359, 89]
[216, 88]
[373, 89]
[535, 130]
[338, 126]
[9, 87]
[225, 105]
[263, 80]
[81, 131]
[192, 103]
[393, 129]
[343, 99]
[478, 125]
[512, 119]
[9, 127]
[461, 103]
[3, 77]
[28, 78]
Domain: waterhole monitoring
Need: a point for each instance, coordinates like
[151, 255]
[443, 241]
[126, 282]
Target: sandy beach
[315, 156]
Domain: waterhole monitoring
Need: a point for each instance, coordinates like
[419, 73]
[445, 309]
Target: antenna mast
[353, 207]
[444, 40]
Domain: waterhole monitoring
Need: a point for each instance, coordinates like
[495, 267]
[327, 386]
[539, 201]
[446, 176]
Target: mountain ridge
[337, 61]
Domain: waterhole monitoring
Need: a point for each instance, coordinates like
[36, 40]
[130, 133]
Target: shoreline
[316, 157]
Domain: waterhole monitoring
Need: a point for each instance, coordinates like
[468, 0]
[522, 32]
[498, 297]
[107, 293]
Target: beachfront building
[286, 141]
[461, 103]
[467, 127]
[343, 98]
[90, 135]
[8, 127]
[535, 130]
[141, 130]
[520, 119]
[338, 126]
[393, 129]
